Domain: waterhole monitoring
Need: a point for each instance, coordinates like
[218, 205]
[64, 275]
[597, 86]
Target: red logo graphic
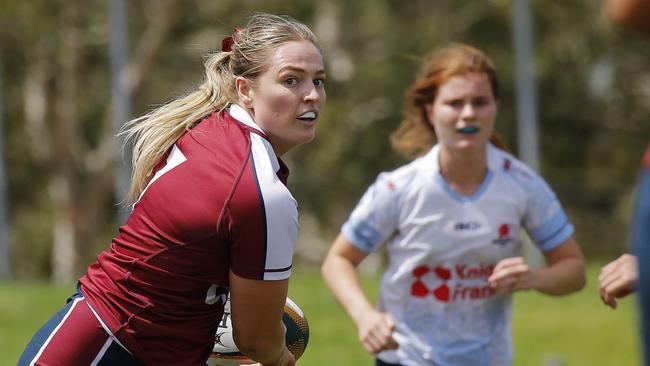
[464, 289]
[420, 289]
[507, 164]
[504, 235]
[504, 231]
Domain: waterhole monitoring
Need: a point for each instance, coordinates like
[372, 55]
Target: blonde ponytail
[154, 133]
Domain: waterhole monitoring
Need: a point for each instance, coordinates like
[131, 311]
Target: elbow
[330, 264]
[324, 268]
[581, 281]
[579, 278]
[564, 278]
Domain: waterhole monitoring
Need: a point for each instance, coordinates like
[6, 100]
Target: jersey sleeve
[263, 222]
[375, 217]
[544, 219]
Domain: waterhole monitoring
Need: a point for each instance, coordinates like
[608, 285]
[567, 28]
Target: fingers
[508, 267]
[609, 301]
[378, 340]
[375, 333]
[606, 296]
[511, 274]
[615, 283]
[617, 279]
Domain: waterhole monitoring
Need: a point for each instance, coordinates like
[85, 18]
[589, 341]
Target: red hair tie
[227, 42]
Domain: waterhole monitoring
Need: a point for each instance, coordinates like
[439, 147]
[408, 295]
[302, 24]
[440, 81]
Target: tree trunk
[66, 144]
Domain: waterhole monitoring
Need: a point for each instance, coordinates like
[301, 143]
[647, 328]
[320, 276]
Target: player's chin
[305, 135]
[297, 137]
[471, 142]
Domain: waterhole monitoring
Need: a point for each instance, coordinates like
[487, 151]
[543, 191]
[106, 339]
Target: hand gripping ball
[226, 353]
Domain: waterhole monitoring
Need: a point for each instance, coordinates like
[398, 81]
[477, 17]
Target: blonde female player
[213, 215]
[451, 220]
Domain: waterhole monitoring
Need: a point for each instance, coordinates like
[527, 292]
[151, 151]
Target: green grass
[23, 309]
[576, 329]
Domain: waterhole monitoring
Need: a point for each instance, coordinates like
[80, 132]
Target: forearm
[560, 278]
[256, 309]
[342, 278]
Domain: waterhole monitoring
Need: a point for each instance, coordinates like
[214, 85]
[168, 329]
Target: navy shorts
[75, 336]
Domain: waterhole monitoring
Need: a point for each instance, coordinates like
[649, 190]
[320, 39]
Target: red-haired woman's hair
[415, 135]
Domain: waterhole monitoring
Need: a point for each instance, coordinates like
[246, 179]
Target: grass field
[572, 331]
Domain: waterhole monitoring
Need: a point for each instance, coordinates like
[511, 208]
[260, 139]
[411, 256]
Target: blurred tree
[120, 97]
[68, 130]
[594, 115]
[5, 271]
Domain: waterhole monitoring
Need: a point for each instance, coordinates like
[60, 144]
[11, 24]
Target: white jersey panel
[281, 209]
[442, 248]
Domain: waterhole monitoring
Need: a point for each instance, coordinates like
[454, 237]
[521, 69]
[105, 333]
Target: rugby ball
[226, 353]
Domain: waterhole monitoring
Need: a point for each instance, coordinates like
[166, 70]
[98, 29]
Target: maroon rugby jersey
[217, 202]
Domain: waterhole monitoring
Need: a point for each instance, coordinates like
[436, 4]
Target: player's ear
[244, 91]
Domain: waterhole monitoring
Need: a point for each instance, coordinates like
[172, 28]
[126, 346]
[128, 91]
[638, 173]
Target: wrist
[361, 313]
[533, 279]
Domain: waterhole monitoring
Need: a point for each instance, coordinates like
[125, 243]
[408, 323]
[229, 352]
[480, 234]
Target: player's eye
[456, 103]
[480, 102]
[291, 81]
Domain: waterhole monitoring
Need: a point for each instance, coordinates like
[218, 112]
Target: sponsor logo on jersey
[507, 164]
[467, 226]
[391, 185]
[503, 237]
[459, 283]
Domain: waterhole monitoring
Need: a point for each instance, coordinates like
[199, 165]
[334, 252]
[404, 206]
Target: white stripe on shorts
[101, 352]
[111, 336]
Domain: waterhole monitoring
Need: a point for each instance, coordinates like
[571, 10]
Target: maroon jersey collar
[283, 172]
[240, 115]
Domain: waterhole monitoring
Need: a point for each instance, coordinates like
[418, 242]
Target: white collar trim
[240, 114]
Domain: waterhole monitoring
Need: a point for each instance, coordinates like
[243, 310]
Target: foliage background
[593, 91]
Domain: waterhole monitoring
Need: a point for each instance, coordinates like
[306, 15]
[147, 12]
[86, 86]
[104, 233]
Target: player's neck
[464, 172]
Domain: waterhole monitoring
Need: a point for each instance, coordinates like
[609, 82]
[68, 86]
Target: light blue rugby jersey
[442, 248]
